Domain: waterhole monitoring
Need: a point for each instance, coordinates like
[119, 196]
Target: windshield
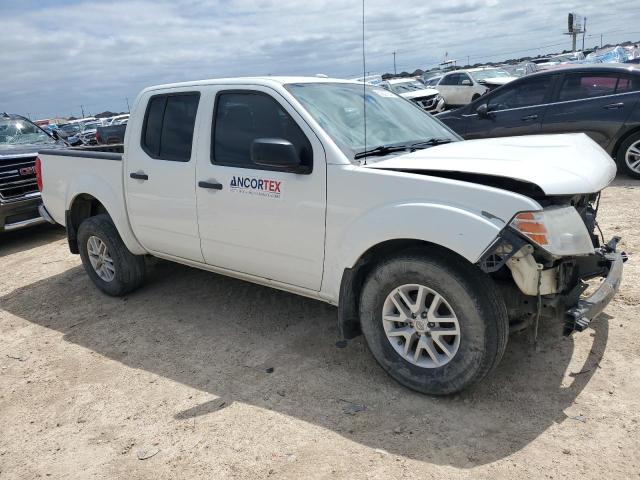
[391, 120]
[17, 131]
[90, 126]
[405, 87]
[70, 128]
[489, 73]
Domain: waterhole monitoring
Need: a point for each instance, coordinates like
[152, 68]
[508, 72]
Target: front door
[516, 109]
[257, 220]
[160, 176]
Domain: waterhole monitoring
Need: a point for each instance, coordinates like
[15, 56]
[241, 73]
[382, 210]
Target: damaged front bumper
[578, 316]
[560, 286]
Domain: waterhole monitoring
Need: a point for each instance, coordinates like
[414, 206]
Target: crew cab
[432, 247]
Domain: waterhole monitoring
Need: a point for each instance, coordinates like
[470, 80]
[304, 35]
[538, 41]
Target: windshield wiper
[411, 147]
[430, 143]
[381, 150]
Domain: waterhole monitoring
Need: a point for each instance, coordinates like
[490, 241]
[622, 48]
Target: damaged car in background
[427, 98]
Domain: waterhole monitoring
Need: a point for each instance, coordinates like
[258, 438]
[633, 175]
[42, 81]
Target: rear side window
[628, 84]
[241, 117]
[167, 132]
[577, 86]
[525, 94]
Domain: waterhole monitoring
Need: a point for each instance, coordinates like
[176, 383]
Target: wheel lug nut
[431, 324]
[424, 315]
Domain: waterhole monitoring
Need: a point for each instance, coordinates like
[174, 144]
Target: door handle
[614, 106]
[211, 185]
[526, 118]
[139, 176]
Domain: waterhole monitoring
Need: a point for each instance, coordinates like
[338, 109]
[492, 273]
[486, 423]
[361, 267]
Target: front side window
[339, 108]
[462, 77]
[167, 133]
[242, 117]
[525, 94]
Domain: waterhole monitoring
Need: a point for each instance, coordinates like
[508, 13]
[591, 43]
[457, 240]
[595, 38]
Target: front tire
[628, 156]
[436, 325]
[110, 265]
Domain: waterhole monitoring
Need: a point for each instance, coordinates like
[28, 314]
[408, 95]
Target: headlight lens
[559, 230]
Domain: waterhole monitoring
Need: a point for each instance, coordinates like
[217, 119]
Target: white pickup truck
[434, 248]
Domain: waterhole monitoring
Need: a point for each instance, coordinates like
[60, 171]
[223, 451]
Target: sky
[60, 56]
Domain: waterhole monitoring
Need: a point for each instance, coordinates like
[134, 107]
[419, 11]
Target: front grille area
[17, 178]
[426, 102]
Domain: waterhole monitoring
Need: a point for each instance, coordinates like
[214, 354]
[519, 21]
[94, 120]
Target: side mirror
[483, 111]
[466, 83]
[54, 134]
[275, 152]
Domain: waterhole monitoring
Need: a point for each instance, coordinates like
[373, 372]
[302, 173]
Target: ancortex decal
[263, 187]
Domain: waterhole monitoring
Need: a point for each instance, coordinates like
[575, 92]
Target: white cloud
[56, 57]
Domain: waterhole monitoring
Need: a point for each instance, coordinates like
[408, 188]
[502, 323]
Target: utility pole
[468, 64]
[395, 72]
[584, 30]
[600, 40]
[82, 109]
[128, 109]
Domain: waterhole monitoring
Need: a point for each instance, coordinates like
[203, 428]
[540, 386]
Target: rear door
[594, 102]
[257, 220]
[160, 168]
[515, 109]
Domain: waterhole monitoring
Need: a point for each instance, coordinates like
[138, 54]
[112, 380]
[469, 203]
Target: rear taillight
[39, 173]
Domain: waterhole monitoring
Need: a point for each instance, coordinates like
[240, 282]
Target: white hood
[559, 164]
[498, 80]
[426, 92]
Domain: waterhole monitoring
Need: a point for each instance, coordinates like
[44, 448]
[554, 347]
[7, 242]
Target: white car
[460, 87]
[429, 99]
[433, 247]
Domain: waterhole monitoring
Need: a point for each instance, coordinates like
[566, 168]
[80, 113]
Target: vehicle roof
[264, 81]
[393, 81]
[13, 116]
[586, 67]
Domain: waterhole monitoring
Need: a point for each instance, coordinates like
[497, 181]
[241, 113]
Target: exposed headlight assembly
[558, 230]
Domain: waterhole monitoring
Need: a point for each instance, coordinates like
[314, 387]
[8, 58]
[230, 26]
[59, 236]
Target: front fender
[111, 199]
[461, 231]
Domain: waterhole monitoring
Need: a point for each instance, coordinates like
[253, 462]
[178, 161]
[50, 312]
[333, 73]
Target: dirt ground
[211, 377]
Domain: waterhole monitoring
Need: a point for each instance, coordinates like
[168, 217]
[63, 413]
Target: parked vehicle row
[429, 99]
[601, 100]
[434, 248]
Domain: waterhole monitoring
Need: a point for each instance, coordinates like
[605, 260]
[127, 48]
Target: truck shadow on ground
[28, 238]
[222, 336]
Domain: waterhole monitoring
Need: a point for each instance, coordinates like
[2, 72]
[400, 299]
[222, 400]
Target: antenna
[364, 87]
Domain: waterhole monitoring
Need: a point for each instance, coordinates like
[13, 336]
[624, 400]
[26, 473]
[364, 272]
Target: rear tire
[628, 156]
[110, 265]
[470, 297]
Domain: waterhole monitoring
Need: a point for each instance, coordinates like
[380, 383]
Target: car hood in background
[426, 92]
[498, 81]
[27, 149]
[558, 164]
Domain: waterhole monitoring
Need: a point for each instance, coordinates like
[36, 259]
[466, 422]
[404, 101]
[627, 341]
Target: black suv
[602, 101]
[20, 141]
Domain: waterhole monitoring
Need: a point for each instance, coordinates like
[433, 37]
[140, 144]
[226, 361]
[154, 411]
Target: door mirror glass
[275, 152]
[483, 111]
[466, 83]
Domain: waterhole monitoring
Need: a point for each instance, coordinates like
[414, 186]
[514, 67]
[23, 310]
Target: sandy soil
[180, 372]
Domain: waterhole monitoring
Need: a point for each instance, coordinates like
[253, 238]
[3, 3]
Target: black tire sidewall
[128, 273]
[622, 153]
[479, 341]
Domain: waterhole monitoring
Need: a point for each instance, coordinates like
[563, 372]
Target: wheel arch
[353, 277]
[85, 205]
[622, 139]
